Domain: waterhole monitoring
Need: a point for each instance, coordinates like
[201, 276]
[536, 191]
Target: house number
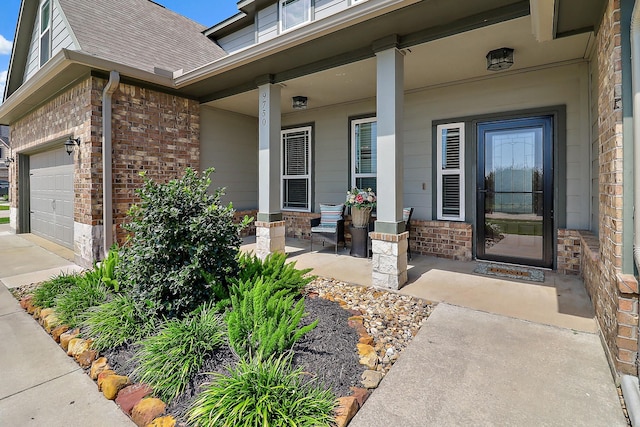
[263, 113]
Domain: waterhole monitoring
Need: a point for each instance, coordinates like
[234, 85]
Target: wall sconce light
[500, 59]
[70, 144]
[299, 102]
[9, 160]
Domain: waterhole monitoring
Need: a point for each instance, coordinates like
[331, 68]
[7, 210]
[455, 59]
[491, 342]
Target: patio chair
[406, 217]
[330, 225]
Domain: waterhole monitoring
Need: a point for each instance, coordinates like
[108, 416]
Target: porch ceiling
[444, 61]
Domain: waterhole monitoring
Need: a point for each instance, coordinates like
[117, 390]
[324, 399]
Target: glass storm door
[515, 191]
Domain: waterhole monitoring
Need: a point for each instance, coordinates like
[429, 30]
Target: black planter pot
[359, 242]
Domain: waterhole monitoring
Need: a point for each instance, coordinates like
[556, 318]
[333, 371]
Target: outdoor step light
[70, 144]
[500, 59]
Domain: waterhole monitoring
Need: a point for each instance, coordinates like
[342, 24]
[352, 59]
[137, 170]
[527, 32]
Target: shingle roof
[139, 34]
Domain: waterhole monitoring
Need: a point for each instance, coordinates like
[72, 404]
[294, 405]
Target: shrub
[179, 233]
[168, 361]
[117, 322]
[45, 294]
[87, 292]
[263, 393]
[273, 267]
[264, 321]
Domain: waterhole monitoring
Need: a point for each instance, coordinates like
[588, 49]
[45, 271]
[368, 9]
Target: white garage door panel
[52, 196]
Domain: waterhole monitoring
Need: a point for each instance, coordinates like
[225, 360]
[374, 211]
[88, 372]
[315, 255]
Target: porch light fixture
[500, 59]
[299, 102]
[9, 160]
[70, 144]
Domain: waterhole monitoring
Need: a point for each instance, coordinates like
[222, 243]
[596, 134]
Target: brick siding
[568, 252]
[445, 239]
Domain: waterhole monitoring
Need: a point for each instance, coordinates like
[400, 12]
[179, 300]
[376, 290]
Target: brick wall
[614, 293]
[445, 239]
[568, 252]
[153, 132]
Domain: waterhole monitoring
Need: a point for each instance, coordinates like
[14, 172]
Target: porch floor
[560, 300]
[493, 352]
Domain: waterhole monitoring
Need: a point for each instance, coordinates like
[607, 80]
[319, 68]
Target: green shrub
[264, 321]
[274, 267]
[168, 361]
[179, 234]
[263, 393]
[117, 322]
[46, 293]
[87, 292]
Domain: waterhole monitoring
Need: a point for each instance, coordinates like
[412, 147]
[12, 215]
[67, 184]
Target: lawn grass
[4, 220]
[4, 207]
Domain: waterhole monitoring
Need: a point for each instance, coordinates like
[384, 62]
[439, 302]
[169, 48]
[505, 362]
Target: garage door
[52, 196]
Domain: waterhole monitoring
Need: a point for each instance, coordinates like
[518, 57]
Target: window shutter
[450, 172]
[296, 169]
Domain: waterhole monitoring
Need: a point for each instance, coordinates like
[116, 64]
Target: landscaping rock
[347, 408]
[102, 376]
[131, 395]
[371, 379]
[50, 322]
[77, 346]
[147, 410]
[45, 312]
[368, 356]
[36, 313]
[57, 331]
[66, 337]
[26, 301]
[98, 366]
[361, 395]
[86, 358]
[166, 421]
[367, 339]
[112, 384]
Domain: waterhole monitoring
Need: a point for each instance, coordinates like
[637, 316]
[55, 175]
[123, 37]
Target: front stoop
[389, 259]
[269, 238]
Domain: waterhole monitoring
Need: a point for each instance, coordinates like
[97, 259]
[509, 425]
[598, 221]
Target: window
[294, 13]
[364, 153]
[450, 171]
[296, 169]
[45, 32]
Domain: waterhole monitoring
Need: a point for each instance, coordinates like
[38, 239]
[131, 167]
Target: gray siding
[326, 8]
[60, 36]
[238, 40]
[267, 23]
[60, 39]
[229, 143]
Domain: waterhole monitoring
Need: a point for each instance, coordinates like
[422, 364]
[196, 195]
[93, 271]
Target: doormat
[510, 271]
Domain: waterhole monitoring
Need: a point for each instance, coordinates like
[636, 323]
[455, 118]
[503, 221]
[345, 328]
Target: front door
[515, 191]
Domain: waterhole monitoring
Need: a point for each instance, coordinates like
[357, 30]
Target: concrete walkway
[39, 384]
[494, 352]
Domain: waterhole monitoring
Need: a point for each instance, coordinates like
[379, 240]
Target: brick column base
[389, 263]
[269, 238]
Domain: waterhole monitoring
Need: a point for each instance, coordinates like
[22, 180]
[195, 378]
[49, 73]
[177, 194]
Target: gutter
[107, 173]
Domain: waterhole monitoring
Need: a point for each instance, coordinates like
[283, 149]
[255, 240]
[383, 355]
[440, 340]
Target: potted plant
[362, 203]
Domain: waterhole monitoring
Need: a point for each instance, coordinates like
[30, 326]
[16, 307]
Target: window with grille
[364, 153]
[296, 169]
[45, 32]
[450, 171]
[294, 13]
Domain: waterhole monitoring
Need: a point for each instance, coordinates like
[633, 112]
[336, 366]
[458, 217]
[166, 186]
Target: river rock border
[386, 322]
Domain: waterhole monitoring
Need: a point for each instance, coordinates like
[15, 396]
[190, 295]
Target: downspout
[635, 84]
[107, 173]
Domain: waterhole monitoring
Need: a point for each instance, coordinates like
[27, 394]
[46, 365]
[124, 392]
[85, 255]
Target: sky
[206, 12]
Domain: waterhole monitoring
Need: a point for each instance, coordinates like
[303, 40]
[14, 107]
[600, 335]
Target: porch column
[269, 224]
[389, 240]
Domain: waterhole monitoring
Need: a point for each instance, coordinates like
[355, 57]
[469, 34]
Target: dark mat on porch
[510, 271]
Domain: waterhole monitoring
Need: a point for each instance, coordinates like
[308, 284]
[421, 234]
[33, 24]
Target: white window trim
[353, 151]
[281, 17]
[47, 31]
[440, 172]
[307, 176]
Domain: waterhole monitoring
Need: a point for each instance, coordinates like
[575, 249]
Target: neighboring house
[525, 160]
[5, 154]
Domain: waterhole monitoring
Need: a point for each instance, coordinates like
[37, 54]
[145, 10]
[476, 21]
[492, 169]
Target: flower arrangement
[361, 198]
